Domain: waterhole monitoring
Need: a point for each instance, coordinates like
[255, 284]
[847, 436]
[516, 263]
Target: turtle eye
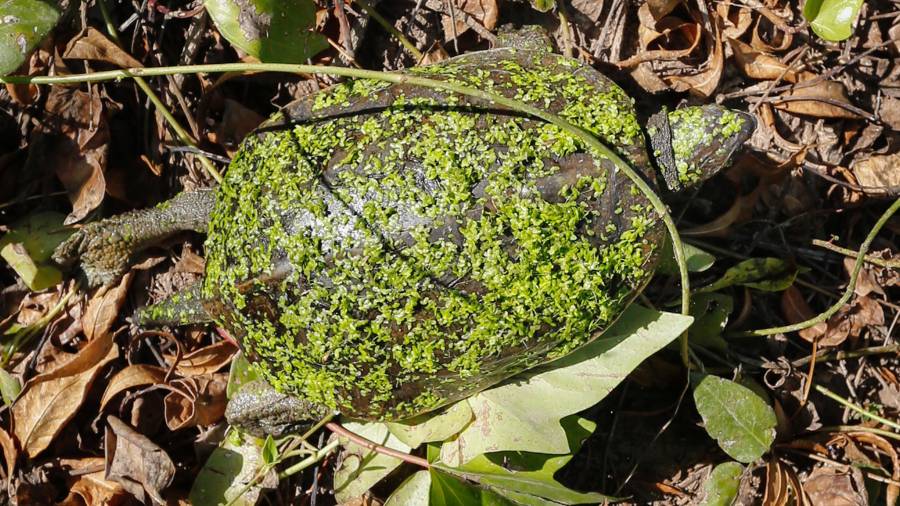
[697, 142]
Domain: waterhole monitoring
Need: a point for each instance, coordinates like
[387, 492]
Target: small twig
[827, 100]
[375, 447]
[859, 428]
[848, 292]
[410, 47]
[890, 264]
[858, 409]
[161, 107]
[844, 355]
[309, 461]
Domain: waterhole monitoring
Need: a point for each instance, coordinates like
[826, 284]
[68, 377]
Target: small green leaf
[412, 492]
[543, 5]
[240, 373]
[710, 312]
[23, 23]
[269, 451]
[449, 491]
[735, 416]
[766, 274]
[722, 485]
[275, 31]
[697, 260]
[28, 245]
[524, 413]
[362, 468]
[438, 427]
[228, 474]
[9, 387]
[832, 19]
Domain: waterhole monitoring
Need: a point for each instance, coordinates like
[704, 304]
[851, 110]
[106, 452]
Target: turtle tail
[180, 308]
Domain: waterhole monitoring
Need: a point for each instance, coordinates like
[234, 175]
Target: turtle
[383, 250]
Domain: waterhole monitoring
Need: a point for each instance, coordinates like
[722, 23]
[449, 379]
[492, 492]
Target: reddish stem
[371, 445]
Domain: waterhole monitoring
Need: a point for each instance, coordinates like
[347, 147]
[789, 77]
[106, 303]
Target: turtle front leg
[260, 410]
[101, 250]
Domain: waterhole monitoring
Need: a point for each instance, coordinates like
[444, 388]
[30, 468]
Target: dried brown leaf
[93, 45]
[758, 65]
[48, 401]
[206, 360]
[879, 175]
[720, 226]
[735, 18]
[866, 281]
[818, 101]
[130, 377]
[484, 12]
[660, 8]
[10, 455]
[76, 144]
[866, 312]
[237, 121]
[795, 310]
[137, 463]
[200, 400]
[103, 309]
[91, 488]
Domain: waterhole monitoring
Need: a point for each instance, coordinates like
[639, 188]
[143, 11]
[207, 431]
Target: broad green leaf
[275, 31]
[531, 473]
[722, 485]
[710, 312]
[412, 492]
[9, 387]
[832, 19]
[361, 468]
[269, 451]
[735, 416]
[449, 491]
[28, 245]
[524, 413]
[697, 260]
[543, 5]
[23, 23]
[227, 474]
[432, 428]
[766, 274]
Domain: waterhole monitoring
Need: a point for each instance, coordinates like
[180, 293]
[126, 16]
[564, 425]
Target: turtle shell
[385, 249]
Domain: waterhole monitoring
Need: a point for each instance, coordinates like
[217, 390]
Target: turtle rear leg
[181, 308]
[101, 250]
[258, 409]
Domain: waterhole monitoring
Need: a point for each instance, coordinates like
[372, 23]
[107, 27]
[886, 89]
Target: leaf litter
[821, 167]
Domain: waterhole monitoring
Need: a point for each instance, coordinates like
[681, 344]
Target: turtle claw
[98, 253]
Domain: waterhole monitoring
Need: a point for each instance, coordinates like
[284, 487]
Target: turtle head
[692, 144]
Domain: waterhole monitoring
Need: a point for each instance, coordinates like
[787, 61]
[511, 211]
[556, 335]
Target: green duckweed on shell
[393, 248]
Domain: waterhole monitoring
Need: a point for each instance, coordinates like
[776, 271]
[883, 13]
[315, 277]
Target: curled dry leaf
[206, 360]
[706, 80]
[756, 64]
[866, 281]
[237, 121]
[796, 310]
[10, 455]
[483, 12]
[137, 463]
[91, 488]
[828, 485]
[76, 144]
[668, 38]
[93, 45]
[660, 8]
[720, 226]
[879, 175]
[130, 377]
[48, 401]
[196, 401]
[817, 100]
[736, 19]
[103, 309]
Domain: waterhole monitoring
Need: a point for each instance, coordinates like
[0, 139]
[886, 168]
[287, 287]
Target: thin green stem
[180, 132]
[397, 78]
[858, 409]
[848, 292]
[859, 428]
[391, 29]
[311, 460]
